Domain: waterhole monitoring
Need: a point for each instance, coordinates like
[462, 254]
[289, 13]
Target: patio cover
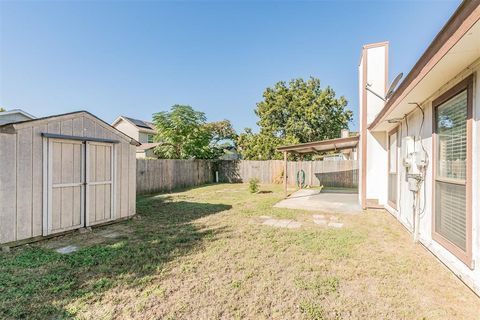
[314, 147]
[321, 146]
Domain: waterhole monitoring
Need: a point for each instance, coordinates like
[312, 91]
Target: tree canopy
[295, 112]
[184, 133]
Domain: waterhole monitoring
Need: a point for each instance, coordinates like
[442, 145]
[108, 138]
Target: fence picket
[166, 175]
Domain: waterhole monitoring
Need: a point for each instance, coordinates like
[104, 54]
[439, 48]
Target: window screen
[451, 168]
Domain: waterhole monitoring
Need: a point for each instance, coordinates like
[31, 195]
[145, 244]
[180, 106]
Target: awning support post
[285, 174]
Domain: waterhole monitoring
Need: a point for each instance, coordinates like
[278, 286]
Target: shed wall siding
[8, 187]
[21, 172]
[24, 183]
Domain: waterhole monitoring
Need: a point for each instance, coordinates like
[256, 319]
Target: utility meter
[409, 144]
[414, 161]
[421, 159]
[409, 148]
[407, 163]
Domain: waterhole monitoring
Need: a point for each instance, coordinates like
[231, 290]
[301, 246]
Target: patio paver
[282, 223]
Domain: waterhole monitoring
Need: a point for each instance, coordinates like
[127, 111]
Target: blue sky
[137, 58]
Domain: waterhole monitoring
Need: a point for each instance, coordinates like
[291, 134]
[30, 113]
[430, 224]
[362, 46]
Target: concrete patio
[325, 201]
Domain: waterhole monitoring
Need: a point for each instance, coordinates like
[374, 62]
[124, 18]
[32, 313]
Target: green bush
[253, 185]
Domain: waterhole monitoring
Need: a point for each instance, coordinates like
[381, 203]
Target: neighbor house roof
[147, 146]
[12, 127]
[460, 24]
[17, 111]
[141, 125]
[321, 146]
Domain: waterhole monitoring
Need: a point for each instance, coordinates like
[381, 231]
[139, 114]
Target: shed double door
[79, 184]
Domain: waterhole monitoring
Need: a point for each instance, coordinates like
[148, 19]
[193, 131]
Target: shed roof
[12, 127]
[321, 146]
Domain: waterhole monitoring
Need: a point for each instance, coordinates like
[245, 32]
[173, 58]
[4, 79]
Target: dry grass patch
[204, 254]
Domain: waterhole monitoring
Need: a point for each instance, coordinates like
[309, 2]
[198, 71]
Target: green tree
[222, 137]
[297, 112]
[221, 131]
[184, 133]
[2, 109]
[260, 146]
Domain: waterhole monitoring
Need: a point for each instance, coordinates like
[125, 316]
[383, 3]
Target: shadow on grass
[37, 283]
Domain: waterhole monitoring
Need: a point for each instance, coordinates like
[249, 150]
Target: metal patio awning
[315, 147]
[321, 146]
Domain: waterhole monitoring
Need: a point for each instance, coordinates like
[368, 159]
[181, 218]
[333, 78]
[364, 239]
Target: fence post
[285, 174]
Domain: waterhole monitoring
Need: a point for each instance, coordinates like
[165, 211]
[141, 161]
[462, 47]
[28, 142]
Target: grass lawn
[205, 254]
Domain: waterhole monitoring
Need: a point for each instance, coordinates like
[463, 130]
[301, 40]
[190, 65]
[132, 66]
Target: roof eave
[466, 15]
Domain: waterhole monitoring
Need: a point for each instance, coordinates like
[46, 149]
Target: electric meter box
[409, 145]
[414, 161]
[421, 159]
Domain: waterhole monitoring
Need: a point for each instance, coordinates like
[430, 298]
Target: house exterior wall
[22, 184]
[376, 77]
[146, 154]
[143, 137]
[373, 70]
[129, 129]
[377, 162]
[363, 130]
[149, 154]
[404, 212]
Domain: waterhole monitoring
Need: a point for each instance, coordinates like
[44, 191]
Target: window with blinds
[451, 170]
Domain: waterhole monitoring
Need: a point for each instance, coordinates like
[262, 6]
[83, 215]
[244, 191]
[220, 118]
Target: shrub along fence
[166, 175]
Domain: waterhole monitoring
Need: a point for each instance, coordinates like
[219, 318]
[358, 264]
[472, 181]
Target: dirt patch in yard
[203, 254]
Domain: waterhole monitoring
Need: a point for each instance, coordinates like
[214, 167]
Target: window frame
[148, 136]
[389, 134]
[464, 255]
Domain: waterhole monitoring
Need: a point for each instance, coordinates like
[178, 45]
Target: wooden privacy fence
[343, 173]
[166, 175]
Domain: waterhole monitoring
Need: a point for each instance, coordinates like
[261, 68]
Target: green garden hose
[301, 182]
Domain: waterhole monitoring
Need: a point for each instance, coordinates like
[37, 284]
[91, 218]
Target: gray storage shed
[61, 173]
